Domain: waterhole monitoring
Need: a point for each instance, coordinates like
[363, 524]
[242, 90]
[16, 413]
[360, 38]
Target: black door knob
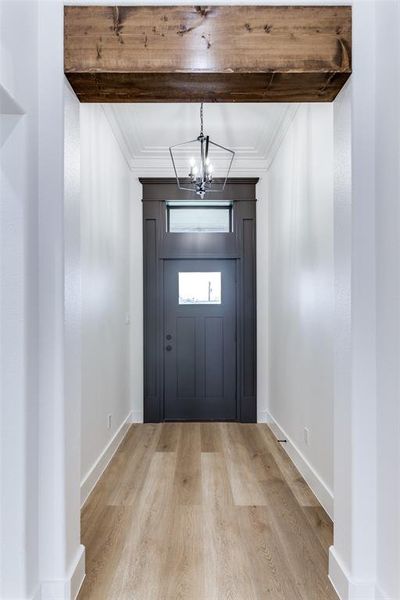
[169, 336]
[168, 348]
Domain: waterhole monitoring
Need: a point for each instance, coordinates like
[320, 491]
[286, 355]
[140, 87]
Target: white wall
[342, 423]
[298, 227]
[106, 196]
[72, 303]
[18, 301]
[387, 210]
[61, 557]
[365, 559]
[40, 550]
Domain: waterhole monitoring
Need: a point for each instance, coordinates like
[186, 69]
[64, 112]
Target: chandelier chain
[201, 119]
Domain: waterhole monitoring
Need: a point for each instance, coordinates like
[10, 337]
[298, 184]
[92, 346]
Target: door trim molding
[237, 189]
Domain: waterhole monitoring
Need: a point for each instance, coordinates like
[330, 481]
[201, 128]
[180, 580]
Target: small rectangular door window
[199, 288]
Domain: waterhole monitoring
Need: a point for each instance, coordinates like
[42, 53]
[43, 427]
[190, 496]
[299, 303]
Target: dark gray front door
[200, 340]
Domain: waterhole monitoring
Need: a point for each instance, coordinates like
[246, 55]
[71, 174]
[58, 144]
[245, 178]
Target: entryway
[200, 326]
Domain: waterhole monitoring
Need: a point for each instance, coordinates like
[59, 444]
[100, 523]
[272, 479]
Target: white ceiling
[145, 132]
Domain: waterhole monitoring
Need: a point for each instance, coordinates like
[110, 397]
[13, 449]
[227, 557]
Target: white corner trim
[280, 134]
[317, 485]
[101, 463]
[347, 588]
[68, 588]
[136, 416]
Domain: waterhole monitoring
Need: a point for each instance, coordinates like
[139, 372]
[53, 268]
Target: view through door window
[200, 288]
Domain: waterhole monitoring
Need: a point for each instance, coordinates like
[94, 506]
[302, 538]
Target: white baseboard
[136, 416]
[263, 417]
[66, 589]
[338, 575]
[78, 574]
[317, 485]
[37, 594]
[101, 463]
[381, 595]
[346, 588]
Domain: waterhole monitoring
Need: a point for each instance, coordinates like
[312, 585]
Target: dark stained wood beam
[210, 54]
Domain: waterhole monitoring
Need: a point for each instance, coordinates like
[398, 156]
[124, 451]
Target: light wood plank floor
[204, 511]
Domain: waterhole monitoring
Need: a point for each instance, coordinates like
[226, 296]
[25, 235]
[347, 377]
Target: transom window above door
[198, 217]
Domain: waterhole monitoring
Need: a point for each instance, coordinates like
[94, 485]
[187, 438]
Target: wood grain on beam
[229, 53]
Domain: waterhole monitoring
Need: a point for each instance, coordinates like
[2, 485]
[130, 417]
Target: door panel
[214, 357]
[185, 357]
[199, 340]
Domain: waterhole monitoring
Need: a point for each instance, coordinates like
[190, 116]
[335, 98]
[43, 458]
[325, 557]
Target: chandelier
[196, 162]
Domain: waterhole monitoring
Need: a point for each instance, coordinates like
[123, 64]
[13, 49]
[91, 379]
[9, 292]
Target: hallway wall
[387, 210]
[19, 204]
[106, 193]
[298, 194]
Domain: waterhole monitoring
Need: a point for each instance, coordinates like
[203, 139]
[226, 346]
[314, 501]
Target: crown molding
[164, 168]
[121, 140]
[264, 138]
[172, 180]
[155, 161]
[280, 134]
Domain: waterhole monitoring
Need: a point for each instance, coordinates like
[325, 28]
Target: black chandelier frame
[203, 183]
